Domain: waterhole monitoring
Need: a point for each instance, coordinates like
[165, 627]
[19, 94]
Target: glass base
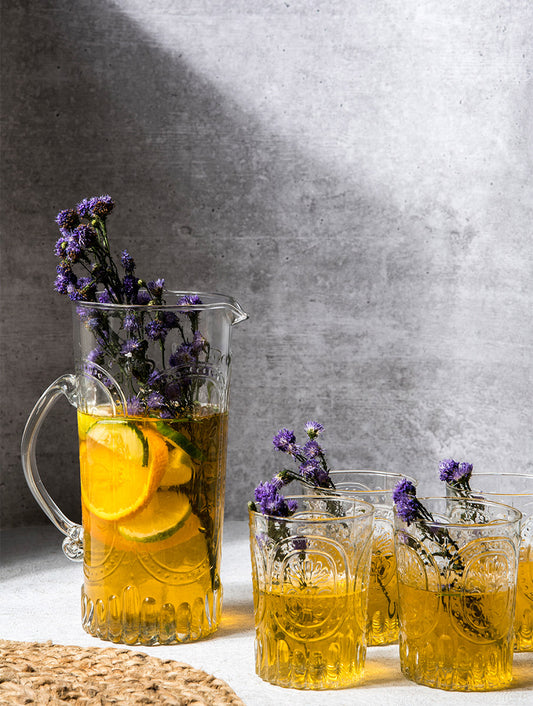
[331, 665]
[486, 668]
[134, 620]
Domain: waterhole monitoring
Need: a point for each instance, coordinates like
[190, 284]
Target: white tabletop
[40, 600]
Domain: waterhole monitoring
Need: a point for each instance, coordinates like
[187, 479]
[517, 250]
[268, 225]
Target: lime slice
[176, 438]
[120, 468]
[179, 468]
[125, 438]
[164, 515]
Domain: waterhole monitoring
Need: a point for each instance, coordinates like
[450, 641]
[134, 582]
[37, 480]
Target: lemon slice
[179, 468]
[120, 468]
[164, 515]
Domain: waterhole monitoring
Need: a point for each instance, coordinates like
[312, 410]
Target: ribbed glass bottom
[334, 664]
[132, 618]
[440, 666]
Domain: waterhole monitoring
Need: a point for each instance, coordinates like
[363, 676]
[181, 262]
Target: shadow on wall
[210, 199]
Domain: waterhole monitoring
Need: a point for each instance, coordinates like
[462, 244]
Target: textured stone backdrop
[357, 174]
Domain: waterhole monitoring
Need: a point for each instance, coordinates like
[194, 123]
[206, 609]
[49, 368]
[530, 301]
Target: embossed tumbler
[457, 591]
[375, 487]
[310, 581]
[514, 489]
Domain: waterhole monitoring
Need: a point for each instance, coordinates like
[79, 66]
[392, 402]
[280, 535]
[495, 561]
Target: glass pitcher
[151, 389]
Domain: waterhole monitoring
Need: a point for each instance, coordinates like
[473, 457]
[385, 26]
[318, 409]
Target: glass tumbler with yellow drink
[151, 389]
[310, 571]
[514, 489]
[376, 487]
[457, 563]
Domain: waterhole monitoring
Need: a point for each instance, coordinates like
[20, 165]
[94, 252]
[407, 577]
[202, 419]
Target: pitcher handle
[66, 385]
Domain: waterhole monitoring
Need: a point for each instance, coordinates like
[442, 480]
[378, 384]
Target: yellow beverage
[309, 639]
[152, 509]
[456, 640]
[523, 626]
[382, 622]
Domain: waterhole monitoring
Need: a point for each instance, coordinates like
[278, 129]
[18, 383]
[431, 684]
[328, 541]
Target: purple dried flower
[73, 248]
[278, 482]
[132, 347]
[308, 469]
[85, 235]
[85, 208]
[285, 441]
[447, 468]
[134, 407]
[102, 205]
[68, 219]
[183, 355]
[313, 429]
[271, 502]
[156, 288]
[198, 344]
[130, 286]
[82, 291]
[463, 472]
[65, 276]
[155, 400]
[456, 473]
[61, 244]
[131, 322]
[96, 206]
[96, 355]
[157, 379]
[143, 297]
[128, 263]
[407, 505]
[312, 449]
[189, 299]
[104, 297]
[313, 472]
[156, 330]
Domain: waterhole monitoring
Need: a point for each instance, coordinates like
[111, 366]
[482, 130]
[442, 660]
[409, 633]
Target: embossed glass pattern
[152, 483]
[310, 582]
[376, 488]
[457, 590]
[514, 489]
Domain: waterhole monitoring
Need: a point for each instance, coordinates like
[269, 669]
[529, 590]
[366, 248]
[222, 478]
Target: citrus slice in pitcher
[179, 468]
[121, 468]
[165, 514]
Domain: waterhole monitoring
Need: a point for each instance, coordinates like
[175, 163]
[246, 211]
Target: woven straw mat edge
[45, 673]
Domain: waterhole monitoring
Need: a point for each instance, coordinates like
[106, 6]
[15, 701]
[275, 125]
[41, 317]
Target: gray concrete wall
[358, 174]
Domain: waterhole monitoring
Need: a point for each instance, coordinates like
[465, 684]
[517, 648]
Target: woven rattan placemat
[44, 673]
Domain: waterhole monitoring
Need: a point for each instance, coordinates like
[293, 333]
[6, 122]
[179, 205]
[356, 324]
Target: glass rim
[495, 493]
[218, 301]
[375, 473]
[492, 503]
[369, 510]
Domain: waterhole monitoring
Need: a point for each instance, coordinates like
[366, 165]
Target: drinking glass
[515, 489]
[457, 590]
[376, 488]
[310, 576]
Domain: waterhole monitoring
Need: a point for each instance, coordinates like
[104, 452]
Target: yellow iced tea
[523, 625]
[152, 509]
[458, 641]
[309, 639]
[382, 623]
